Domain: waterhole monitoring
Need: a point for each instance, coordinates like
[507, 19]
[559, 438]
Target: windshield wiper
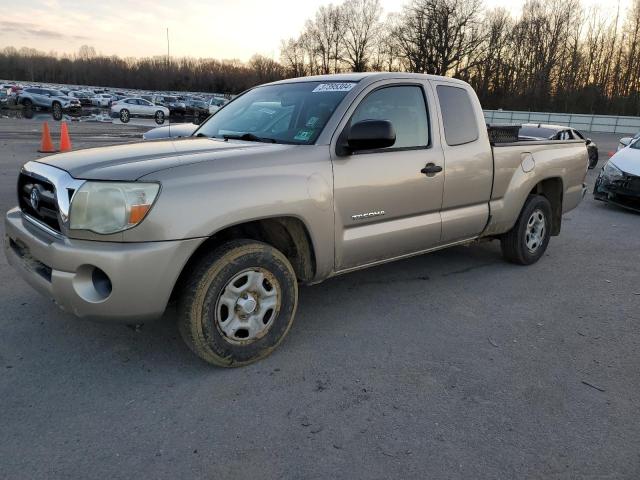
[249, 137]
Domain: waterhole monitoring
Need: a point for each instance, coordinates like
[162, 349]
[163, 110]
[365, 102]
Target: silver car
[54, 100]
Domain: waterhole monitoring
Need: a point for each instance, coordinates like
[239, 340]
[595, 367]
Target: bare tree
[361, 26]
[324, 35]
[292, 55]
[440, 36]
[266, 69]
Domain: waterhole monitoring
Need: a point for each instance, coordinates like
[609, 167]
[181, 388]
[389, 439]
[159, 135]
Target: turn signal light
[137, 213]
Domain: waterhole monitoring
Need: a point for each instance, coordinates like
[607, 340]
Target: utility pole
[168, 55]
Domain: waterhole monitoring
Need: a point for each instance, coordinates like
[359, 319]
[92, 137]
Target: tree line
[555, 56]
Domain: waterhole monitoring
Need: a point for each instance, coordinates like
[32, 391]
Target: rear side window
[404, 107]
[458, 116]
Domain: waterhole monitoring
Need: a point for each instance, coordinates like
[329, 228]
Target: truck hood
[131, 161]
[179, 130]
[627, 160]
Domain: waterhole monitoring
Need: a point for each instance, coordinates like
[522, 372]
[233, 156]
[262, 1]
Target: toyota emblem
[34, 198]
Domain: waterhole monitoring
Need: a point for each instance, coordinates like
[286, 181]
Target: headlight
[611, 172]
[110, 207]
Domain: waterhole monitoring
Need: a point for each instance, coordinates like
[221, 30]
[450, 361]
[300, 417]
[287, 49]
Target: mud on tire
[205, 309]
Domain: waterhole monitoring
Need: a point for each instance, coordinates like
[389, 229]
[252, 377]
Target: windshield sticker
[303, 135]
[334, 87]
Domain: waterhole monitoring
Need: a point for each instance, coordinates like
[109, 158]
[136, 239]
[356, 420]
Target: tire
[527, 241]
[125, 115]
[56, 109]
[27, 103]
[236, 280]
[159, 117]
[593, 160]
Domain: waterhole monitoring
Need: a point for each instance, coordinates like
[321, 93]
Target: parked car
[175, 106]
[326, 175]
[531, 131]
[138, 107]
[198, 108]
[619, 179]
[3, 98]
[102, 100]
[83, 97]
[626, 141]
[179, 130]
[215, 104]
[54, 100]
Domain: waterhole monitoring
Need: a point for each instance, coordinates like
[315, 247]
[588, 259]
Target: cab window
[404, 106]
[458, 115]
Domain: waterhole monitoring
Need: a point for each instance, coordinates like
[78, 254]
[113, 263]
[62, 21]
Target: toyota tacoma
[290, 183]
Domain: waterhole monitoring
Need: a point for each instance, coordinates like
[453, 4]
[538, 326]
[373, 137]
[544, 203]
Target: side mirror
[588, 140]
[626, 141]
[370, 135]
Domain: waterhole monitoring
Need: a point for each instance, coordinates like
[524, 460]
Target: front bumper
[624, 193]
[139, 276]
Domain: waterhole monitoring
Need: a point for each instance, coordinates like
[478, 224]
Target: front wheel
[125, 116]
[159, 117]
[57, 111]
[527, 241]
[238, 304]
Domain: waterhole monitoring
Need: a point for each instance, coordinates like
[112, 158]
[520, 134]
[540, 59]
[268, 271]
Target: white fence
[587, 123]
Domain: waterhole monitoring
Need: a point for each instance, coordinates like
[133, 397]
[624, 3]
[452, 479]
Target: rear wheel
[125, 116]
[527, 241]
[238, 304]
[159, 117]
[593, 158]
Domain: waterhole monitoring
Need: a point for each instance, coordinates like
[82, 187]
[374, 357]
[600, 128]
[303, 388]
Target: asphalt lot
[450, 365]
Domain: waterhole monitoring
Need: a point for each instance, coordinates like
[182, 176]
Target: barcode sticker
[334, 87]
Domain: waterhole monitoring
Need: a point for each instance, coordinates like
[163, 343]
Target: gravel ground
[450, 365]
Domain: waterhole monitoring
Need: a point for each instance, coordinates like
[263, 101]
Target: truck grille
[42, 205]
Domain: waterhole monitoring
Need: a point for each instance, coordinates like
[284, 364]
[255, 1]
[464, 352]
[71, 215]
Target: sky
[223, 29]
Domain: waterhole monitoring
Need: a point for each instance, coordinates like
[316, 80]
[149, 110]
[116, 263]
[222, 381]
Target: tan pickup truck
[291, 182]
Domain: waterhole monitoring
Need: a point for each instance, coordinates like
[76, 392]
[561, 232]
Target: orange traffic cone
[46, 145]
[65, 140]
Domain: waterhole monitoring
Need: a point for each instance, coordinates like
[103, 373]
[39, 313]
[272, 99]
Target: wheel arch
[288, 234]
[552, 189]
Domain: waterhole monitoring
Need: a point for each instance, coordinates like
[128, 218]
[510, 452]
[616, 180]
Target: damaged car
[538, 131]
[619, 179]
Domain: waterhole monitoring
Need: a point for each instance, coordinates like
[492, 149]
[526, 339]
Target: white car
[619, 179]
[626, 141]
[138, 107]
[102, 100]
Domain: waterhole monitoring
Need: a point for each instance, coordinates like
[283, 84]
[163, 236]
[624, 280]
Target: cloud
[34, 30]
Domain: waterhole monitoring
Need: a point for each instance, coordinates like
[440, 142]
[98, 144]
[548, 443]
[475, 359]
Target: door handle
[431, 169]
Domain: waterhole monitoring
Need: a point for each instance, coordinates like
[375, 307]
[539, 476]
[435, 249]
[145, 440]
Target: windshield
[288, 113]
[635, 143]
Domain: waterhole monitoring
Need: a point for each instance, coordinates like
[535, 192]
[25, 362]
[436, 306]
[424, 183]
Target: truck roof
[372, 76]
